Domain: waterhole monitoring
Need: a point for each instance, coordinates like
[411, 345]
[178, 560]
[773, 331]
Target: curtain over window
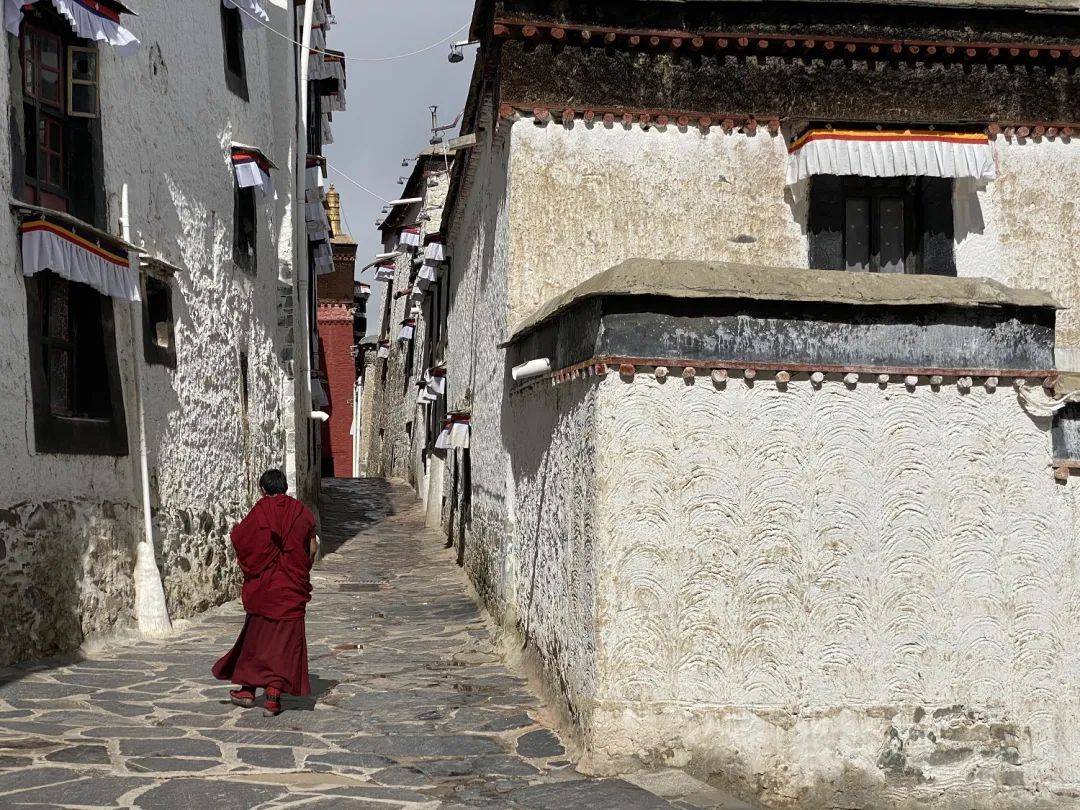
[253, 169]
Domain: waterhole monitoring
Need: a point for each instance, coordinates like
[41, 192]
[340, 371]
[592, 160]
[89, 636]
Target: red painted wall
[335, 344]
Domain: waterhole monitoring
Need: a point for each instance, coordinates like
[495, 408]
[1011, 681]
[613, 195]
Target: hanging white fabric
[46, 246]
[313, 185]
[891, 154]
[384, 350]
[318, 225]
[384, 272]
[89, 19]
[324, 259]
[327, 130]
[251, 12]
[443, 442]
[409, 237]
[253, 171]
[406, 332]
[459, 435]
[435, 252]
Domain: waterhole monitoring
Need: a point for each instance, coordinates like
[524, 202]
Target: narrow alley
[413, 707]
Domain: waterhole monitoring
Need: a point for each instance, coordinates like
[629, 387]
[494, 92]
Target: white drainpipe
[151, 609]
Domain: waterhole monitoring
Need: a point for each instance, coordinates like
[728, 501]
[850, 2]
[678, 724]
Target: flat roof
[699, 279]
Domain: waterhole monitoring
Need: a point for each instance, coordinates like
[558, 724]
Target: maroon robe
[272, 547]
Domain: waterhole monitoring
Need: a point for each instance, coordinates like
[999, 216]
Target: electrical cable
[286, 37]
[356, 183]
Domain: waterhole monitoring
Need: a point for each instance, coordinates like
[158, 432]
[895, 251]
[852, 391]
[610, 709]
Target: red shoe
[244, 698]
[272, 704]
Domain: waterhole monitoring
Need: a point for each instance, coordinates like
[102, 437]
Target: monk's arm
[313, 545]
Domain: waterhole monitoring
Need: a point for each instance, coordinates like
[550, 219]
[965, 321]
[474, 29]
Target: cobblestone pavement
[412, 706]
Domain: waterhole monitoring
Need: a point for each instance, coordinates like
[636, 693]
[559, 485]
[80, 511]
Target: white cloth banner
[48, 247]
[435, 252]
[406, 333]
[324, 259]
[249, 174]
[251, 12]
[410, 237]
[459, 436]
[891, 154]
[443, 442]
[313, 184]
[327, 130]
[85, 22]
[384, 273]
[437, 385]
[427, 273]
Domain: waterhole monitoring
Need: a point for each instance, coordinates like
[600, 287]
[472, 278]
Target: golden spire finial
[333, 206]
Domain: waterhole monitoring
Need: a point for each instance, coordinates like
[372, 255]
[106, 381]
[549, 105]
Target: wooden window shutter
[826, 223]
[936, 233]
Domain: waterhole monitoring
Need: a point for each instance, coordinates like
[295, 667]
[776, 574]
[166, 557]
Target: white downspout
[358, 394]
[151, 609]
[300, 279]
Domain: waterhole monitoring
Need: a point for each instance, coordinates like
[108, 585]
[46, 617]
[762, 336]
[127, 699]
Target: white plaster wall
[476, 367]
[167, 123]
[1023, 229]
[797, 589]
[587, 197]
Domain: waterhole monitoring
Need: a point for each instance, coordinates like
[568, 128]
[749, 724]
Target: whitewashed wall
[68, 524]
[835, 596]
[588, 197]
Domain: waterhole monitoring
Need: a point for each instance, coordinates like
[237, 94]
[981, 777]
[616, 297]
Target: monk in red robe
[275, 547]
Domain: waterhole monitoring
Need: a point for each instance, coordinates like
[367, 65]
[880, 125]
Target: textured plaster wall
[552, 553]
[590, 196]
[476, 371]
[167, 121]
[1019, 231]
[587, 197]
[853, 596]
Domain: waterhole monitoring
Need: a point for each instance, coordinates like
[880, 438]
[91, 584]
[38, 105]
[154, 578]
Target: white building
[793, 528]
[152, 230]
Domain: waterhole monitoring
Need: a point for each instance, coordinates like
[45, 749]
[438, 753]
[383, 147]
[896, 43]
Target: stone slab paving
[413, 708]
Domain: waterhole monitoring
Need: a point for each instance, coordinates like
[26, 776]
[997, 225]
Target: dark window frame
[154, 353]
[245, 229]
[927, 230]
[232, 46]
[75, 186]
[73, 435]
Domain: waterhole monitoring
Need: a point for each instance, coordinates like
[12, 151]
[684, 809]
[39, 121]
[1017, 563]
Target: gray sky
[387, 117]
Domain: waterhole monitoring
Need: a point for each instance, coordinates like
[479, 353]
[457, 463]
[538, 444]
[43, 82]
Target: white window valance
[410, 237]
[872, 153]
[48, 246]
[434, 253]
[384, 272]
[97, 20]
[251, 11]
[252, 169]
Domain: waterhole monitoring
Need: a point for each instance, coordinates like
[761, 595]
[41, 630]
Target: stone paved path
[413, 708]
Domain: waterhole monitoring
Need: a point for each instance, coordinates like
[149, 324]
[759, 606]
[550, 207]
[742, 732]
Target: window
[82, 82]
[881, 225]
[245, 237]
[158, 332]
[58, 159]
[78, 400]
[232, 38]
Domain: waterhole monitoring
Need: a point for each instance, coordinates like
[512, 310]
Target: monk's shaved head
[273, 482]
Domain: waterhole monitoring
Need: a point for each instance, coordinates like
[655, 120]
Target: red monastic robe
[272, 545]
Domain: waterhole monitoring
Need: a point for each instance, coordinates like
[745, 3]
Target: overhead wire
[348, 58]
